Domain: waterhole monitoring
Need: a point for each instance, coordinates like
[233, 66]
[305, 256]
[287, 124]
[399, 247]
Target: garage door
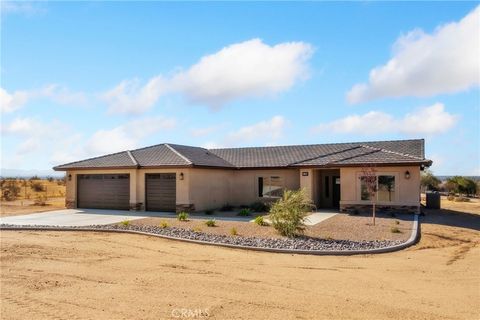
[161, 191]
[103, 191]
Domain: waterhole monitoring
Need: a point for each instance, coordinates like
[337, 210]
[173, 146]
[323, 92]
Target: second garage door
[103, 191]
[160, 191]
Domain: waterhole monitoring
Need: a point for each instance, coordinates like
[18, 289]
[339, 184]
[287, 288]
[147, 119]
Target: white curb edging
[414, 237]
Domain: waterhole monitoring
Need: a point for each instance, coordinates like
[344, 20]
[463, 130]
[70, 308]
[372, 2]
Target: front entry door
[336, 191]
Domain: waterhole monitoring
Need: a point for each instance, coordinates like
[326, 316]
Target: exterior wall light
[181, 176]
[69, 177]
[407, 174]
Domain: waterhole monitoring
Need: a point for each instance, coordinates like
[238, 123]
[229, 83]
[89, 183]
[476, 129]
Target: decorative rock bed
[301, 244]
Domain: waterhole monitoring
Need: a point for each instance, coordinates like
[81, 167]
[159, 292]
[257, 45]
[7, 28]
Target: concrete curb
[414, 237]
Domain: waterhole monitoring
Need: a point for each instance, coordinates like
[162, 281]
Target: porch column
[134, 204]
[306, 182]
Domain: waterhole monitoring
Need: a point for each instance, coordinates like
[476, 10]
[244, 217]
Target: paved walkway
[320, 216]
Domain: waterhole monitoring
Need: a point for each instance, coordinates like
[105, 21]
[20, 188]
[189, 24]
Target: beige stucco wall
[407, 191]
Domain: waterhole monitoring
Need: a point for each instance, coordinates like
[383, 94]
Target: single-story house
[170, 177]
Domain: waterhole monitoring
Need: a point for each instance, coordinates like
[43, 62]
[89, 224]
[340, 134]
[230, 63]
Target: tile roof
[337, 154]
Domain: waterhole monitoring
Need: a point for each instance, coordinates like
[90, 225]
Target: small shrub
[209, 212]
[182, 216]
[226, 207]
[260, 221]
[395, 230]
[37, 186]
[259, 207]
[233, 231]
[210, 223]
[164, 224]
[10, 190]
[244, 212]
[49, 179]
[125, 223]
[40, 200]
[289, 212]
[197, 229]
[397, 222]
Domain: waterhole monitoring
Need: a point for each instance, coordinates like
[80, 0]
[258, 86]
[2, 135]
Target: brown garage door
[160, 191]
[103, 191]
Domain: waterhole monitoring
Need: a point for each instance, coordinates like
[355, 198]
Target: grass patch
[164, 224]
[260, 221]
[233, 231]
[211, 223]
[125, 223]
[182, 216]
[395, 230]
[197, 229]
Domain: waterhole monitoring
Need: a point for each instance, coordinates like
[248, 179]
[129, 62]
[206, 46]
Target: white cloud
[423, 121]
[10, 102]
[242, 70]
[201, 132]
[445, 61]
[35, 138]
[266, 132]
[21, 7]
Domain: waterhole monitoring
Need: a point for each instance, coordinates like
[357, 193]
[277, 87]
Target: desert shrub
[35, 177]
[226, 207]
[233, 231]
[182, 216]
[10, 190]
[289, 212]
[259, 207]
[50, 179]
[451, 197]
[209, 212]
[395, 230]
[125, 223]
[40, 200]
[37, 186]
[260, 221]
[245, 212]
[210, 223]
[164, 224]
[197, 229]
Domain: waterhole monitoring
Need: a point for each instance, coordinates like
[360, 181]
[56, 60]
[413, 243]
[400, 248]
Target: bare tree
[369, 182]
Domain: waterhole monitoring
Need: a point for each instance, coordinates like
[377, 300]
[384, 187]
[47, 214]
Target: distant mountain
[19, 173]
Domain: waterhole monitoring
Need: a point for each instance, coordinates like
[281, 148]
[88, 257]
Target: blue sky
[84, 79]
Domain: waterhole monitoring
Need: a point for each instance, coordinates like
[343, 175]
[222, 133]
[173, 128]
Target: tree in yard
[461, 185]
[368, 182]
[429, 181]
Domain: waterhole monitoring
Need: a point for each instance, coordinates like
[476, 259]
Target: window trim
[395, 190]
[262, 182]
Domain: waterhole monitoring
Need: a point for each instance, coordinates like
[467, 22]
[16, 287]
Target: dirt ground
[82, 275]
[340, 227]
[19, 207]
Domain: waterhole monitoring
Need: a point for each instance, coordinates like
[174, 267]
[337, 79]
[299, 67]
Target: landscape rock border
[290, 246]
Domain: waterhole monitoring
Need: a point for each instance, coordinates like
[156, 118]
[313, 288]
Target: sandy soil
[19, 207]
[80, 275]
[342, 226]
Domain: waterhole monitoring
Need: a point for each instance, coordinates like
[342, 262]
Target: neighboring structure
[169, 177]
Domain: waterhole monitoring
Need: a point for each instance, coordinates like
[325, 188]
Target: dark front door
[161, 192]
[103, 191]
[336, 191]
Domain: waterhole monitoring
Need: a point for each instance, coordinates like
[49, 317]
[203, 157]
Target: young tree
[368, 181]
[429, 181]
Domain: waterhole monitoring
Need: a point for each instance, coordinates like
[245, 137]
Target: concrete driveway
[72, 217]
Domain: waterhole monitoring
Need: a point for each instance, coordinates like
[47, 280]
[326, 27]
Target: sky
[83, 79]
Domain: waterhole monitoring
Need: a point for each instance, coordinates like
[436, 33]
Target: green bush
[288, 213]
[209, 212]
[245, 212]
[259, 207]
[233, 231]
[125, 223]
[395, 230]
[210, 223]
[260, 221]
[164, 224]
[183, 216]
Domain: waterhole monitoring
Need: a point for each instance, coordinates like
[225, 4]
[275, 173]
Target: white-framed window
[386, 188]
[270, 186]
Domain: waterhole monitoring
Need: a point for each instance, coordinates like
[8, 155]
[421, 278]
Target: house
[170, 177]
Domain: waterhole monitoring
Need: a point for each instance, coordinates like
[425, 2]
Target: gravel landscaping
[299, 243]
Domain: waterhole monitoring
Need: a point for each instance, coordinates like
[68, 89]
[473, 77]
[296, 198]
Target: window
[385, 189]
[270, 187]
